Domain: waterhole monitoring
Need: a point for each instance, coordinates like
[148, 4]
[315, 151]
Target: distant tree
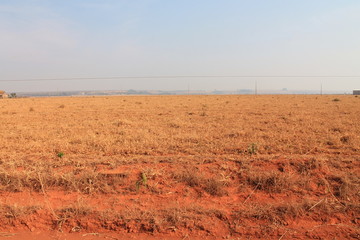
[12, 95]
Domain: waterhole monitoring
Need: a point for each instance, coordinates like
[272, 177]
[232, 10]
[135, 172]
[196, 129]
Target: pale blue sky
[90, 38]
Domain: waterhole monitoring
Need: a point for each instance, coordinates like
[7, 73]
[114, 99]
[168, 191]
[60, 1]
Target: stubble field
[181, 167]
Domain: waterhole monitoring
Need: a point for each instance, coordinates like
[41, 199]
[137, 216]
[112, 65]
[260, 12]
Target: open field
[181, 167]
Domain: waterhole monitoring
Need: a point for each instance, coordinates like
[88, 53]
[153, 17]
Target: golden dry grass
[151, 125]
[269, 160]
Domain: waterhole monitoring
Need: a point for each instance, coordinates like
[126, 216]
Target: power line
[170, 77]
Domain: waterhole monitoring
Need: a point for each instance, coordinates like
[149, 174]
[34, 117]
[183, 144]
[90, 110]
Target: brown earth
[180, 167]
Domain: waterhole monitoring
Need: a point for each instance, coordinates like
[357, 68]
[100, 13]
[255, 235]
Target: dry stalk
[5, 234]
[316, 204]
[284, 234]
[251, 193]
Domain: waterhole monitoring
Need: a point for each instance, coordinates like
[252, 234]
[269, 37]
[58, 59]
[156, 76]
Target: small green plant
[253, 149]
[60, 154]
[142, 181]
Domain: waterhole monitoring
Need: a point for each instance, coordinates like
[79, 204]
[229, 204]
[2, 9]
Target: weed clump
[190, 177]
[305, 167]
[345, 139]
[14, 211]
[253, 149]
[212, 186]
[272, 182]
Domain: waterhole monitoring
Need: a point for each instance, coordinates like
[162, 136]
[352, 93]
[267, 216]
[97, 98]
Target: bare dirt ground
[180, 167]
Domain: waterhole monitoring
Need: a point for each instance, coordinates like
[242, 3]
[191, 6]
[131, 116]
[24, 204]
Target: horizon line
[176, 76]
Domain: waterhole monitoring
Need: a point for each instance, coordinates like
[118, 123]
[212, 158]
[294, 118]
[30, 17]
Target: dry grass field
[181, 167]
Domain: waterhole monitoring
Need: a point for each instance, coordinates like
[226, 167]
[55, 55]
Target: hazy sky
[91, 38]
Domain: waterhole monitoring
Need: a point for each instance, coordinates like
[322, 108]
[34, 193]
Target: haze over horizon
[42, 39]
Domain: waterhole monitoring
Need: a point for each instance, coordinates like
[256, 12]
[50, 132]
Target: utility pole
[256, 90]
[321, 89]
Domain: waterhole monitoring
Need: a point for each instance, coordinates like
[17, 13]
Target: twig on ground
[316, 204]
[283, 234]
[251, 193]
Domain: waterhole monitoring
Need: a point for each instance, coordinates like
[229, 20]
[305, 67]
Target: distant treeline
[177, 92]
[128, 92]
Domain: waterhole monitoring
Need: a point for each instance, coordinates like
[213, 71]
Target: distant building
[3, 94]
[356, 92]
